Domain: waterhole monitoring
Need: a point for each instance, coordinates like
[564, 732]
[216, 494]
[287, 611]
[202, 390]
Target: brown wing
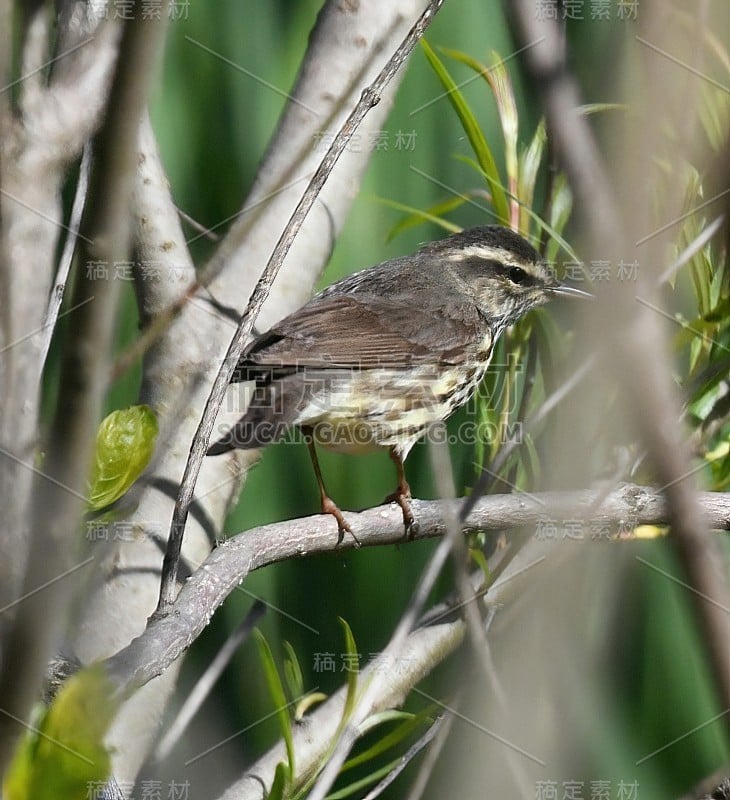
[366, 331]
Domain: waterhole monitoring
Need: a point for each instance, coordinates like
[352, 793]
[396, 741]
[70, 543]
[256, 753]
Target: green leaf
[65, 754]
[720, 307]
[276, 690]
[381, 718]
[306, 703]
[695, 352]
[352, 675]
[560, 207]
[417, 216]
[487, 414]
[530, 161]
[477, 555]
[125, 442]
[282, 779]
[499, 82]
[530, 461]
[721, 471]
[368, 780]
[350, 698]
[409, 723]
[293, 673]
[597, 108]
[474, 134]
[553, 231]
[714, 113]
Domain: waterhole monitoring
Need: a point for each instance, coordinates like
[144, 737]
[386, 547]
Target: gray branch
[166, 638]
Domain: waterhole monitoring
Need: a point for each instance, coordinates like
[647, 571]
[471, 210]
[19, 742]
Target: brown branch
[370, 97]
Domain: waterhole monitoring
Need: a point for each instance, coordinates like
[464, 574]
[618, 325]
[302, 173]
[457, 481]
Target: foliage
[125, 442]
[700, 275]
[63, 755]
[287, 784]
[516, 386]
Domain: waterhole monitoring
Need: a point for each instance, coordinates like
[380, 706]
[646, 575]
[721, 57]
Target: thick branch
[35, 146]
[122, 592]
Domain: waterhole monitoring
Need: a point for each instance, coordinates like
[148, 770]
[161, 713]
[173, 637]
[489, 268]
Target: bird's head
[503, 271]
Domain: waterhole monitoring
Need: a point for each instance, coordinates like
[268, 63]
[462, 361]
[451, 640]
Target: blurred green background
[213, 122]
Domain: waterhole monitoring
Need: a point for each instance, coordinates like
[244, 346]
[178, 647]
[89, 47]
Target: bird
[376, 358]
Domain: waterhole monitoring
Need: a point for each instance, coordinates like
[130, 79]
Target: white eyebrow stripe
[487, 253]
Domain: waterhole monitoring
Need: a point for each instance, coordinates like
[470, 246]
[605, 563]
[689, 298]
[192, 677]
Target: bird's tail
[269, 416]
[221, 446]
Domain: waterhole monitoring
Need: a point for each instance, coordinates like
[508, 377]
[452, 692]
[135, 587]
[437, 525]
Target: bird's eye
[517, 275]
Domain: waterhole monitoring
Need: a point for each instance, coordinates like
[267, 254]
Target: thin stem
[69, 248]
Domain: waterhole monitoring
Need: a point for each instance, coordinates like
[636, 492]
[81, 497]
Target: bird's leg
[402, 495]
[327, 503]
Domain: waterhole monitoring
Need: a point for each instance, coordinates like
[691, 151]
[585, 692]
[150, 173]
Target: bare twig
[693, 248]
[370, 97]
[6, 58]
[69, 248]
[434, 730]
[423, 777]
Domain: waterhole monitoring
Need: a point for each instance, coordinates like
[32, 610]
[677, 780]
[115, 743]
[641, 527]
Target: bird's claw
[330, 507]
[403, 500]
[412, 528]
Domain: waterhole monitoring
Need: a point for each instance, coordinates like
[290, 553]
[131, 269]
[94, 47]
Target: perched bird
[377, 357]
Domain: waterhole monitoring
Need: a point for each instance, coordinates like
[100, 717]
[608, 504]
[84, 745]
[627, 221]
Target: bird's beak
[564, 290]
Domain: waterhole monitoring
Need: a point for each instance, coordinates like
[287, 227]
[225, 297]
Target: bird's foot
[330, 507]
[403, 499]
